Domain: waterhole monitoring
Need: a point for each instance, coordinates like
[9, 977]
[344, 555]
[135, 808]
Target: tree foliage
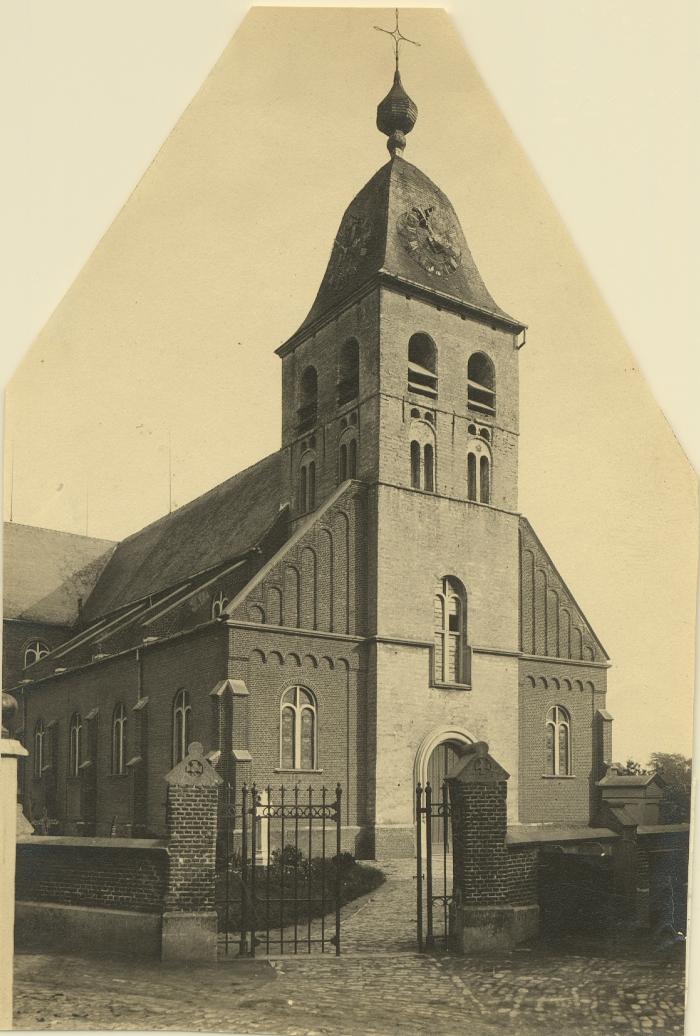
[676, 772]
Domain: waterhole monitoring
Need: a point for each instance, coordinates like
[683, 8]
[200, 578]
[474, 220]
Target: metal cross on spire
[397, 37]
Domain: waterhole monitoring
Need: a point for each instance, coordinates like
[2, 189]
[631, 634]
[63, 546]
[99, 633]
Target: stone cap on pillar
[476, 766]
[235, 687]
[194, 770]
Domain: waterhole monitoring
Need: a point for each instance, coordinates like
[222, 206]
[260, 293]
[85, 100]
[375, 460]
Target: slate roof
[46, 571]
[219, 525]
[376, 214]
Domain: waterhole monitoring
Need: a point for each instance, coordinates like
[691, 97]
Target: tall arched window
[75, 745]
[484, 479]
[181, 725]
[347, 455]
[119, 739]
[298, 729]
[481, 384]
[422, 453]
[450, 630]
[307, 483]
[415, 464]
[428, 467]
[471, 476]
[349, 372]
[35, 651]
[39, 747]
[478, 471]
[422, 366]
[558, 742]
[308, 399]
[352, 459]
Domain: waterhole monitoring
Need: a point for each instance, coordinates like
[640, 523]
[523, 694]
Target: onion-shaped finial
[396, 116]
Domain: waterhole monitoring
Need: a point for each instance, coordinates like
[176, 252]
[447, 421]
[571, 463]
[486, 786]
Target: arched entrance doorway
[436, 756]
[442, 759]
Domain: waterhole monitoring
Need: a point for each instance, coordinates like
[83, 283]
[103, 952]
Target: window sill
[558, 776]
[118, 776]
[451, 686]
[281, 769]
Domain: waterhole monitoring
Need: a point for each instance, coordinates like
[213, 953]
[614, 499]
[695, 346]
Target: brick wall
[581, 691]
[195, 662]
[116, 875]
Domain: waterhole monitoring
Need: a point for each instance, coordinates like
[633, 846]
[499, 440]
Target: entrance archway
[436, 755]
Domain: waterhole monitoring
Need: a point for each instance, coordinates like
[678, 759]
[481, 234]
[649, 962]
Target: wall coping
[82, 842]
[529, 834]
[663, 829]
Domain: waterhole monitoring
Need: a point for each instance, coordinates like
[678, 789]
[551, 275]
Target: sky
[164, 341]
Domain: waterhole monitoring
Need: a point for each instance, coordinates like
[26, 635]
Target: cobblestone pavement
[379, 985]
[531, 995]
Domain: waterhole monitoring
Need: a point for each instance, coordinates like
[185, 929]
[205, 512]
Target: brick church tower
[356, 607]
[404, 375]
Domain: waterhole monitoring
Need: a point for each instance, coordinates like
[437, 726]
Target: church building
[356, 607]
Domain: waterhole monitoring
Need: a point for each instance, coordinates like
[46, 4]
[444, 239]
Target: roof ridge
[58, 532]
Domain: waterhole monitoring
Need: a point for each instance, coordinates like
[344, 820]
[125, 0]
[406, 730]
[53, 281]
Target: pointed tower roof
[401, 229]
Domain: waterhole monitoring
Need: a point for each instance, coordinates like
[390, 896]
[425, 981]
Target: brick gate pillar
[494, 889]
[189, 921]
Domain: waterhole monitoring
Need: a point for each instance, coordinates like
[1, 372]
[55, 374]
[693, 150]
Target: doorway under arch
[438, 753]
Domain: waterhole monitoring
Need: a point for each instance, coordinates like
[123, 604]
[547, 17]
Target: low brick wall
[108, 873]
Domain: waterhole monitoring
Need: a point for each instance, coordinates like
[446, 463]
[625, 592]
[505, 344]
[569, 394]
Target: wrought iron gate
[279, 870]
[433, 865]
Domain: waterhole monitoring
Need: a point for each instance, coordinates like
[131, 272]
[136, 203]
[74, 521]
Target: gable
[317, 581]
[551, 622]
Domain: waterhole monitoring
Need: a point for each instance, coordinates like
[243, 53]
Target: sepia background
[163, 346]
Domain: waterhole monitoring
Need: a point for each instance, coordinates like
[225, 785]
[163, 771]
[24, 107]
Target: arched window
[349, 372]
[298, 729]
[347, 454]
[471, 476]
[119, 739]
[218, 603]
[352, 459]
[484, 479]
[75, 745]
[422, 366]
[558, 742]
[34, 652]
[478, 471]
[308, 399]
[307, 483]
[181, 725]
[481, 384]
[450, 630]
[415, 464]
[39, 747]
[422, 454]
[428, 467]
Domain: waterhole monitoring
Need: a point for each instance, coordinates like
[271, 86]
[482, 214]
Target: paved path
[524, 994]
[380, 985]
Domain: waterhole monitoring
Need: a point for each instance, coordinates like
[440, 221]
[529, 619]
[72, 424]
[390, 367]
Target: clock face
[351, 245]
[431, 239]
